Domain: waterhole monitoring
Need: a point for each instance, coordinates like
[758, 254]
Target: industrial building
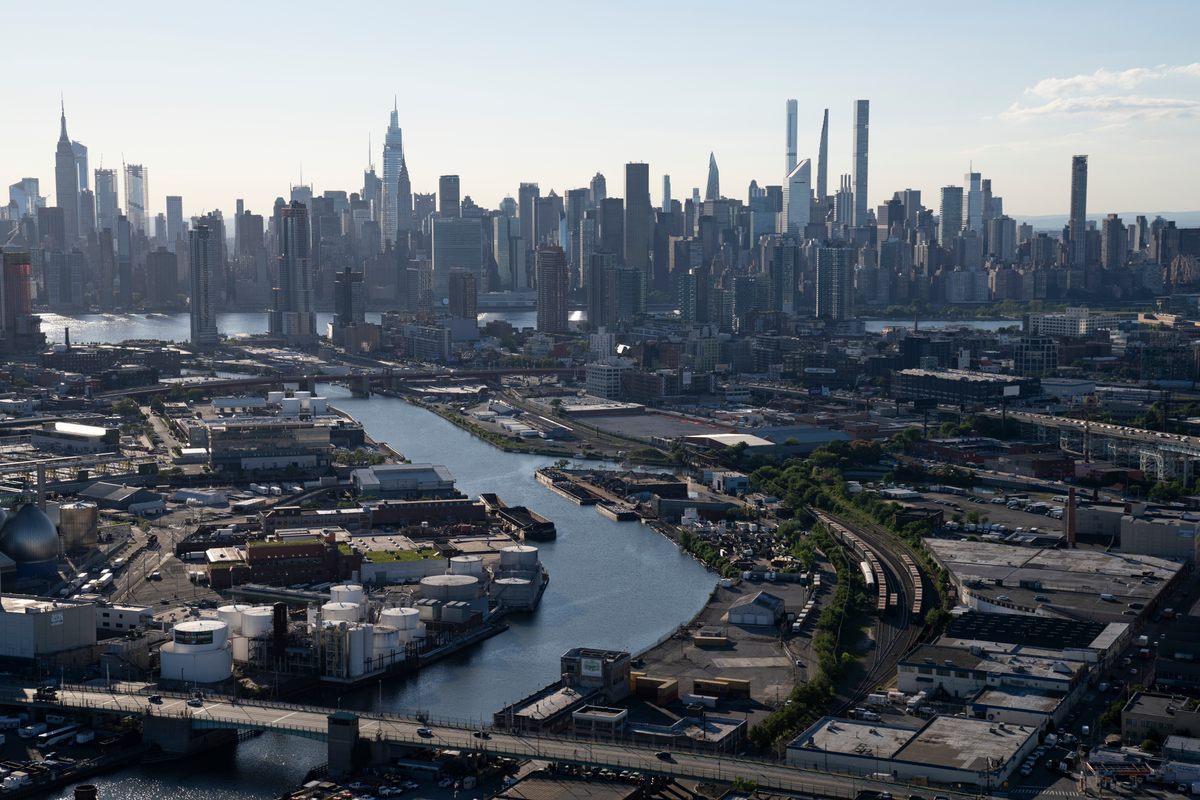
[1142, 530]
[34, 627]
[119, 497]
[953, 672]
[73, 438]
[945, 750]
[960, 387]
[269, 445]
[404, 481]
[199, 653]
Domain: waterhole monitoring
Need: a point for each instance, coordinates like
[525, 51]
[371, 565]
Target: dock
[522, 522]
[578, 489]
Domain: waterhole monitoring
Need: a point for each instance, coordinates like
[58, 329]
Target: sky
[232, 99]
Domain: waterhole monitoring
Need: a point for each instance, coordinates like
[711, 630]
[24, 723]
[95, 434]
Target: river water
[612, 585]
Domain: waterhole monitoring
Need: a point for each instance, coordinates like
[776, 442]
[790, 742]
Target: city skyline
[1129, 108]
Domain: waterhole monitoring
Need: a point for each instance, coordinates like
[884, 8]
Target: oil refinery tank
[258, 621]
[402, 619]
[346, 593]
[518, 557]
[197, 653]
[231, 615]
[334, 611]
[77, 522]
[448, 588]
[466, 565]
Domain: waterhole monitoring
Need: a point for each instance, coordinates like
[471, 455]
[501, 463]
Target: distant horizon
[504, 97]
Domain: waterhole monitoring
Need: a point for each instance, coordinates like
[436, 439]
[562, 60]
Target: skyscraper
[174, 220]
[457, 243]
[464, 302]
[66, 183]
[712, 190]
[349, 301]
[397, 192]
[972, 210]
[528, 195]
[666, 194]
[790, 140]
[1077, 226]
[862, 114]
[797, 199]
[107, 205]
[950, 221]
[449, 198]
[598, 188]
[508, 248]
[637, 216]
[835, 283]
[823, 159]
[552, 287]
[137, 196]
[203, 253]
[293, 317]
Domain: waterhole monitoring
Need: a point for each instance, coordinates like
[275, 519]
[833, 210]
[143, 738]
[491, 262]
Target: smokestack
[86, 791]
[1070, 517]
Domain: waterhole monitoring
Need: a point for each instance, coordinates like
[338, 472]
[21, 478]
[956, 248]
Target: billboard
[1012, 391]
[591, 667]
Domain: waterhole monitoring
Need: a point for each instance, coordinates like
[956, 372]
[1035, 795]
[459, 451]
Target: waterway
[612, 585]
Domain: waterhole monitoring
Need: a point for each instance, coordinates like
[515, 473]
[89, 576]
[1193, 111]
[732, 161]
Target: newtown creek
[612, 585]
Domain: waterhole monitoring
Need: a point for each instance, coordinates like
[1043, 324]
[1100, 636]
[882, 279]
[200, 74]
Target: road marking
[285, 716]
[751, 662]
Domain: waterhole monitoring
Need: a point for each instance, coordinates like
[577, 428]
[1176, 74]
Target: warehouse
[946, 750]
[762, 609]
[119, 497]
[73, 437]
[32, 627]
[404, 481]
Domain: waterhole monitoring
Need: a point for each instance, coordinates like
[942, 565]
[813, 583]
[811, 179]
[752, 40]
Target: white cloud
[1107, 94]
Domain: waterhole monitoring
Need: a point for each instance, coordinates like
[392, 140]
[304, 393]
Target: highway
[312, 722]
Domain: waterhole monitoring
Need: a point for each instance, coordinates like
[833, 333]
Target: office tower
[175, 220]
[1077, 225]
[666, 194]
[546, 217]
[26, 195]
[987, 204]
[302, 193]
[950, 221]
[1002, 239]
[457, 243]
[823, 159]
[423, 207]
[81, 163]
[123, 238]
[843, 202]
[397, 191]
[637, 216]
[66, 183]
[464, 295]
[712, 190]
[203, 255]
[789, 145]
[527, 201]
[610, 220]
[598, 312]
[862, 113]
[508, 206]
[349, 300]
[137, 196]
[780, 257]
[160, 230]
[576, 210]
[553, 283]
[52, 233]
[449, 200]
[63, 274]
[972, 209]
[508, 248]
[1113, 242]
[1142, 240]
[162, 279]
[19, 327]
[292, 316]
[598, 188]
[797, 199]
[106, 245]
[911, 200]
[835, 283]
[107, 206]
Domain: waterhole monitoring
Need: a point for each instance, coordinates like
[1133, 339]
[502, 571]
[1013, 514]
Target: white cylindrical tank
[302, 396]
[241, 648]
[387, 641]
[319, 406]
[199, 634]
[402, 619]
[450, 587]
[258, 621]
[346, 593]
[290, 405]
[518, 557]
[356, 651]
[275, 398]
[231, 615]
[466, 565]
[340, 612]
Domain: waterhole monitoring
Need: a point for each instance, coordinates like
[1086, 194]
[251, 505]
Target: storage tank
[346, 593]
[340, 612]
[387, 641]
[231, 615]
[290, 405]
[77, 523]
[258, 621]
[402, 619]
[197, 653]
[357, 650]
[200, 634]
[301, 395]
[519, 557]
[466, 565]
[275, 398]
[241, 648]
[319, 406]
[450, 587]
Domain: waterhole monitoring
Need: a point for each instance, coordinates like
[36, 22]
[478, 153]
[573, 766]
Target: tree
[126, 407]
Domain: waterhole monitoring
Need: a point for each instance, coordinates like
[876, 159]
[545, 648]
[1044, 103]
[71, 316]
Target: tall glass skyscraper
[137, 195]
[862, 119]
[397, 190]
[1077, 225]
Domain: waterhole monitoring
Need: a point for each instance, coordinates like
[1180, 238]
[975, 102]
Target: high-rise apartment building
[1114, 242]
[457, 243]
[553, 283]
[137, 196]
[666, 194]
[508, 248]
[950, 220]
[789, 145]
[1077, 224]
[464, 295]
[835, 283]
[349, 299]
[797, 199]
[107, 205]
[293, 317]
[637, 216]
[66, 183]
[203, 255]
[862, 119]
[174, 220]
[823, 159]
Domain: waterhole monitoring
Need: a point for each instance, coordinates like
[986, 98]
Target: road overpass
[1166, 456]
[340, 730]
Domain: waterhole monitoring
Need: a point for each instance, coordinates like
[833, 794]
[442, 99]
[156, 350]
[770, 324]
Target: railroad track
[899, 590]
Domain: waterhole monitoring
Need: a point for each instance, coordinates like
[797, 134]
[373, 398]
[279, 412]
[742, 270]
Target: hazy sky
[223, 100]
